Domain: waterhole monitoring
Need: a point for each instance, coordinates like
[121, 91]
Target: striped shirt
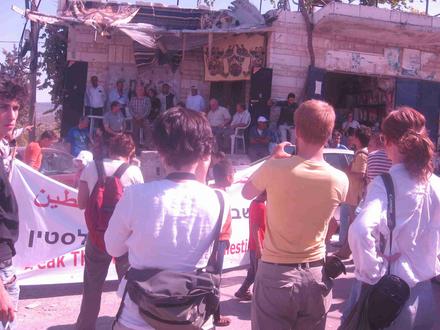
[140, 107]
[377, 164]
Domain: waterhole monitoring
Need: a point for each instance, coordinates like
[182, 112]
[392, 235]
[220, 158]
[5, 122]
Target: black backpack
[169, 300]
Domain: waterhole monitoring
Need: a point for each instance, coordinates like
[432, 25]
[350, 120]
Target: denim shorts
[9, 279]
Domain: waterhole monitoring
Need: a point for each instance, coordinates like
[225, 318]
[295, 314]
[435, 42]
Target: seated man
[33, 155]
[113, 120]
[218, 117]
[241, 118]
[259, 138]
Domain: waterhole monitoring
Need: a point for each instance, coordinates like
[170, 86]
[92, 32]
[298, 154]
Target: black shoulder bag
[169, 299]
[390, 294]
[379, 305]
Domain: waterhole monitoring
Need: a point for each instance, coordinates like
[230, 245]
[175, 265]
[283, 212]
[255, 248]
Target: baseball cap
[84, 157]
[262, 119]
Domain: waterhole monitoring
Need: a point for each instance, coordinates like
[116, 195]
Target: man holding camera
[292, 290]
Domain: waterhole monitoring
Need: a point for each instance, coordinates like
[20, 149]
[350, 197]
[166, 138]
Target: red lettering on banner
[238, 248]
[60, 262]
[82, 257]
[41, 266]
[51, 263]
[75, 257]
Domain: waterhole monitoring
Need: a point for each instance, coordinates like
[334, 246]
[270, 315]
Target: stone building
[367, 60]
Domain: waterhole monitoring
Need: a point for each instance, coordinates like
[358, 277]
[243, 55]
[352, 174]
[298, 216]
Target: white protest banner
[50, 248]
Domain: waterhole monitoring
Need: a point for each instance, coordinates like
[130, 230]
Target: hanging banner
[53, 233]
[232, 58]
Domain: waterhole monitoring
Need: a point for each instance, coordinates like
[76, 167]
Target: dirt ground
[56, 307]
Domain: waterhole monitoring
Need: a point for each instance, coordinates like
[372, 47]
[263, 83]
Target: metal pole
[33, 73]
[261, 3]
[427, 7]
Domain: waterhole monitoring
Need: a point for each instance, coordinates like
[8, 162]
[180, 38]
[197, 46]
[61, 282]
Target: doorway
[75, 80]
[229, 93]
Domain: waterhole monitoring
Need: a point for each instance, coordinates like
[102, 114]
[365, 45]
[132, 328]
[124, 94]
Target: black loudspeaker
[260, 92]
[261, 84]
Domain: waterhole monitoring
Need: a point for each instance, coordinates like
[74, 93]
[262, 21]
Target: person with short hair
[171, 223]
[113, 120]
[195, 101]
[259, 139]
[140, 109]
[241, 118]
[167, 99]
[257, 228]
[121, 150]
[416, 236]
[218, 117]
[357, 176]
[78, 137]
[286, 125]
[12, 96]
[33, 154]
[350, 123]
[155, 104]
[118, 94]
[223, 173]
[378, 161]
[335, 141]
[94, 98]
[291, 289]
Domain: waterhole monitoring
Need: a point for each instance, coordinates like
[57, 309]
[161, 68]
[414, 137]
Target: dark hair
[10, 90]
[50, 135]
[83, 118]
[182, 136]
[336, 133]
[363, 134]
[241, 105]
[405, 127]
[114, 104]
[291, 95]
[222, 170]
[121, 145]
[153, 90]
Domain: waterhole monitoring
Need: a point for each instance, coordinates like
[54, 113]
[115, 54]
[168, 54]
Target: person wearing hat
[118, 94]
[80, 162]
[259, 139]
[195, 101]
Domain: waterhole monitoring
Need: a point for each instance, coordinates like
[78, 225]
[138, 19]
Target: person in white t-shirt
[168, 224]
[241, 118]
[97, 262]
[195, 101]
[350, 123]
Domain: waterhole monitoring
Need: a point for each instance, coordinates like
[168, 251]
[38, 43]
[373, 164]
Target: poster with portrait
[231, 58]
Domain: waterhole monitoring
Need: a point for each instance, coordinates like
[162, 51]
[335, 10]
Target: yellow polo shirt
[302, 196]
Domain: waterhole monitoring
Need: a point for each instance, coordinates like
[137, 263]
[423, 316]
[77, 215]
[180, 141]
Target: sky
[12, 24]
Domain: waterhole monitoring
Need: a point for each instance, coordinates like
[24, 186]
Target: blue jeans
[9, 279]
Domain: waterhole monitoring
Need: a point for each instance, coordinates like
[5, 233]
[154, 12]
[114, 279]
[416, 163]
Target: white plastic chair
[239, 135]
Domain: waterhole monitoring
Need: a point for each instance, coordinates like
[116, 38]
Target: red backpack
[102, 202]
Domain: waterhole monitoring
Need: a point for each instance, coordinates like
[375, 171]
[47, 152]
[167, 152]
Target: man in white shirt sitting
[94, 98]
[241, 118]
[195, 101]
[219, 118]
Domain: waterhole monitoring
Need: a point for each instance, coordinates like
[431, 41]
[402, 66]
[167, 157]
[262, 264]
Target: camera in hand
[290, 149]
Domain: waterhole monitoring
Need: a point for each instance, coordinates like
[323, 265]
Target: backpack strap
[121, 170]
[217, 231]
[100, 170]
[391, 209]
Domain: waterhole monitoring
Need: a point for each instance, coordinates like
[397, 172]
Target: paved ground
[56, 307]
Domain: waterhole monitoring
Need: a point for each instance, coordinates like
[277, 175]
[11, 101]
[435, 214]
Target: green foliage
[54, 63]
[18, 68]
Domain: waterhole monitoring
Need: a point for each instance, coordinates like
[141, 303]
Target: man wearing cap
[195, 101]
[118, 94]
[167, 99]
[259, 138]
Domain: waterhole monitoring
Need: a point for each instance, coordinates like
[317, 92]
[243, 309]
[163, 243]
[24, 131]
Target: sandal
[246, 295]
[222, 322]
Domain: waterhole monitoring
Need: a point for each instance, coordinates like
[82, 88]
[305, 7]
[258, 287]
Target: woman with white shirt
[416, 237]
[168, 224]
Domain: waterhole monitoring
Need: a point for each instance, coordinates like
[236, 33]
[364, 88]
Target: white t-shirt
[218, 117]
[95, 97]
[195, 102]
[163, 224]
[132, 175]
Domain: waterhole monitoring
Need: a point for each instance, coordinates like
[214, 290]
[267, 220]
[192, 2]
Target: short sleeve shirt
[114, 120]
[302, 196]
[33, 155]
[78, 139]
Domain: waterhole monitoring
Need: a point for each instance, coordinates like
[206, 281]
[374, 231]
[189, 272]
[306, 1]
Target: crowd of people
[168, 237]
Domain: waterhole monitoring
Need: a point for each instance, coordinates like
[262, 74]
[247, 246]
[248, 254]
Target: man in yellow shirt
[291, 291]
